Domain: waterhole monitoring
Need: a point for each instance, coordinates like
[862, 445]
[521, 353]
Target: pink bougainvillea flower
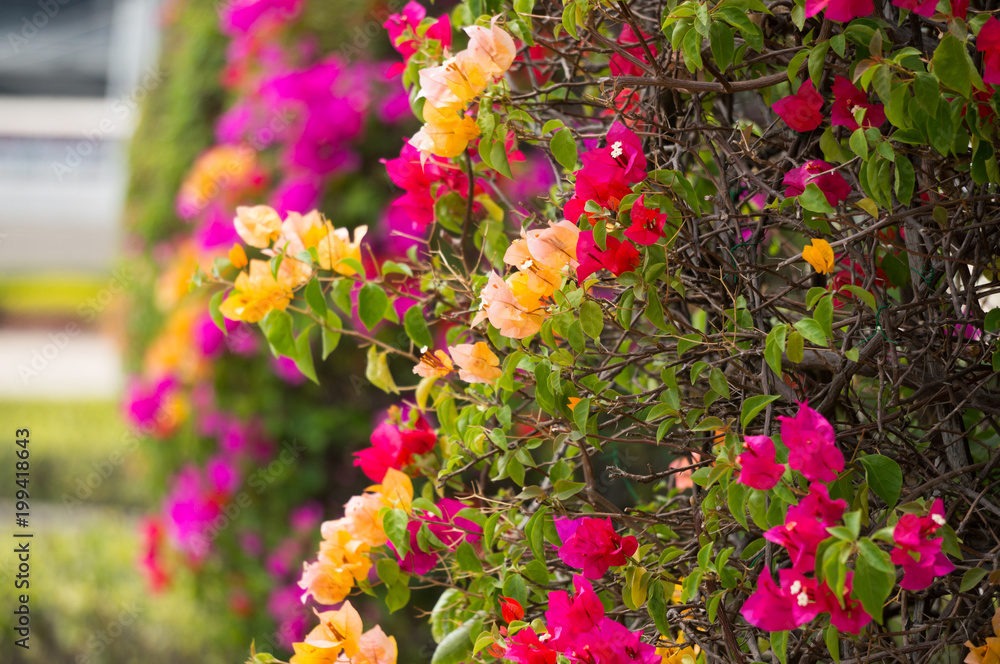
[580, 614]
[451, 531]
[801, 111]
[593, 545]
[840, 10]
[846, 98]
[476, 362]
[988, 43]
[623, 152]
[622, 66]
[771, 607]
[402, 29]
[850, 617]
[805, 526]
[387, 451]
[241, 16]
[812, 451]
[758, 468]
[619, 257]
[647, 224]
[917, 551]
[921, 7]
[823, 175]
[526, 648]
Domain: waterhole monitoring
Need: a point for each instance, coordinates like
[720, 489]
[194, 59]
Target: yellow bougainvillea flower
[819, 254]
[476, 363]
[453, 84]
[238, 257]
[989, 653]
[505, 311]
[445, 133]
[396, 490]
[336, 245]
[338, 629]
[258, 226]
[434, 364]
[342, 562]
[491, 47]
[170, 352]
[255, 294]
[376, 648]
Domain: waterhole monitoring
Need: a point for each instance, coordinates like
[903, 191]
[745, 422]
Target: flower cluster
[340, 637]
[917, 551]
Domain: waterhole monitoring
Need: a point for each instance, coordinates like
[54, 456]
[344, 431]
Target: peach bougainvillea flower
[491, 48]
[434, 364]
[337, 245]
[338, 639]
[989, 653]
[506, 313]
[453, 84]
[255, 294]
[801, 111]
[342, 562]
[375, 647]
[258, 225]
[819, 254]
[476, 362]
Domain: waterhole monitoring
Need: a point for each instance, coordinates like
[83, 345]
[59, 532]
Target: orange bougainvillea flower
[361, 520]
[476, 363]
[989, 653]
[338, 632]
[500, 303]
[445, 133]
[820, 255]
[342, 562]
[336, 245]
[238, 257]
[491, 47]
[258, 225]
[453, 84]
[434, 364]
[255, 294]
[396, 490]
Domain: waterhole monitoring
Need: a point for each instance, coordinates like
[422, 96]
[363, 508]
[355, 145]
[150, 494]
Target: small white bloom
[526, 265]
[423, 349]
[796, 587]
[616, 149]
[803, 599]
[938, 519]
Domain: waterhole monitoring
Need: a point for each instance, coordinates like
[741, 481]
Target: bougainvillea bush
[761, 283]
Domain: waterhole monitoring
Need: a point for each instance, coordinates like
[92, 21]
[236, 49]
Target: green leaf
[859, 144]
[905, 180]
[817, 60]
[720, 38]
[814, 200]
[718, 381]
[691, 47]
[456, 647]
[514, 587]
[564, 149]
[862, 294]
[394, 522]
[303, 355]
[824, 315]
[972, 578]
[372, 304]
[315, 299]
[795, 347]
[753, 406]
[416, 327]
[581, 411]
[774, 347]
[812, 331]
[992, 321]
[952, 64]
[874, 577]
[592, 318]
[688, 341]
[884, 477]
[832, 639]
[779, 646]
[331, 333]
[656, 606]
[795, 64]
[213, 311]
[377, 371]
[277, 327]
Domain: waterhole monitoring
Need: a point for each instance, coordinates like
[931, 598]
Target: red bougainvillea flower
[805, 526]
[593, 545]
[526, 648]
[812, 451]
[959, 8]
[840, 10]
[759, 471]
[846, 98]
[988, 42]
[647, 224]
[622, 66]
[801, 111]
[387, 451]
[511, 609]
[823, 175]
[921, 7]
[853, 275]
[619, 257]
[918, 552]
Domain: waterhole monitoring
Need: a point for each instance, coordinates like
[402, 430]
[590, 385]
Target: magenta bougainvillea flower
[959, 8]
[622, 66]
[526, 648]
[988, 43]
[812, 451]
[608, 172]
[413, 13]
[921, 7]
[823, 175]
[850, 617]
[847, 98]
[805, 526]
[840, 10]
[451, 531]
[917, 551]
[618, 257]
[593, 545]
[801, 111]
[758, 468]
[647, 224]
[797, 600]
[241, 16]
[393, 446]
